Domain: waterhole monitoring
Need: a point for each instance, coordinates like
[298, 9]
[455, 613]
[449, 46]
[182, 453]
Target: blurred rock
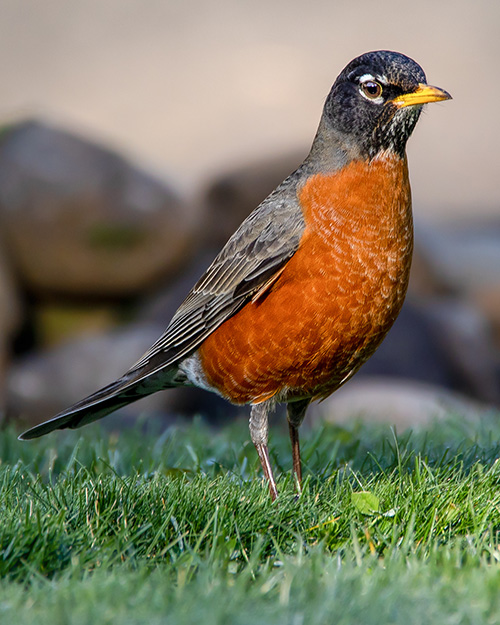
[466, 335]
[58, 321]
[10, 306]
[488, 301]
[233, 196]
[402, 403]
[441, 341]
[78, 219]
[466, 255]
[425, 281]
[10, 319]
[465, 258]
[42, 384]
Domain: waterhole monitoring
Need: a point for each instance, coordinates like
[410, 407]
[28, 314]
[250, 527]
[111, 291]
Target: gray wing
[260, 247]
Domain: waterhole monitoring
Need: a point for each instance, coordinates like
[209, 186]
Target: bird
[308, 286]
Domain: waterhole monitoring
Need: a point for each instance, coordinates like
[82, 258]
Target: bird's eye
[371, 89]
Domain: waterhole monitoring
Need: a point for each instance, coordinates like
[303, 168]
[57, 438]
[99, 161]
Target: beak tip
[446, 95]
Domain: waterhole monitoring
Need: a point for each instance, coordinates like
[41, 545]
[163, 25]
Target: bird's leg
[296, 411]
[259, 429]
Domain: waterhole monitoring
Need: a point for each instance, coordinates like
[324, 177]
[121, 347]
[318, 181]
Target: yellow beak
[423, 95]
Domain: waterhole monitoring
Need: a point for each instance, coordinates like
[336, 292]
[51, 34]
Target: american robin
[308, 286]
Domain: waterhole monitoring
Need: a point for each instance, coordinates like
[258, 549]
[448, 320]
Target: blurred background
[135, 137]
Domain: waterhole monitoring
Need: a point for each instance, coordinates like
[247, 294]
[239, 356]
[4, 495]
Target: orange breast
[336, 298]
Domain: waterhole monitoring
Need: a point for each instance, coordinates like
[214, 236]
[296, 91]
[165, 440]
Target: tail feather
[98, 405]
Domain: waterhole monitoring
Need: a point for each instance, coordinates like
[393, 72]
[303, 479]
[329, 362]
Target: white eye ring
[371, 89]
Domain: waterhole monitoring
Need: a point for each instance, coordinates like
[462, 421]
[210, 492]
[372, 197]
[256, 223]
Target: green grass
[178, 527]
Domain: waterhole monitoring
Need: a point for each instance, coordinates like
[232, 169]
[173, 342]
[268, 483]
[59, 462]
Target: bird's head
[375, 103]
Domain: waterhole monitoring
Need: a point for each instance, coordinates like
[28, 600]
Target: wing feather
[259, 249]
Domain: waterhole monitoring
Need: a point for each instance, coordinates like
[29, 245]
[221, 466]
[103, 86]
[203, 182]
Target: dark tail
[98, 405]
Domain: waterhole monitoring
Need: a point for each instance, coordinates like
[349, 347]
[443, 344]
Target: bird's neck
[333, 150]
[330, 151]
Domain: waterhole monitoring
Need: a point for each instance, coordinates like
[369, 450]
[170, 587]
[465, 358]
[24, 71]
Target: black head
[376, 101]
